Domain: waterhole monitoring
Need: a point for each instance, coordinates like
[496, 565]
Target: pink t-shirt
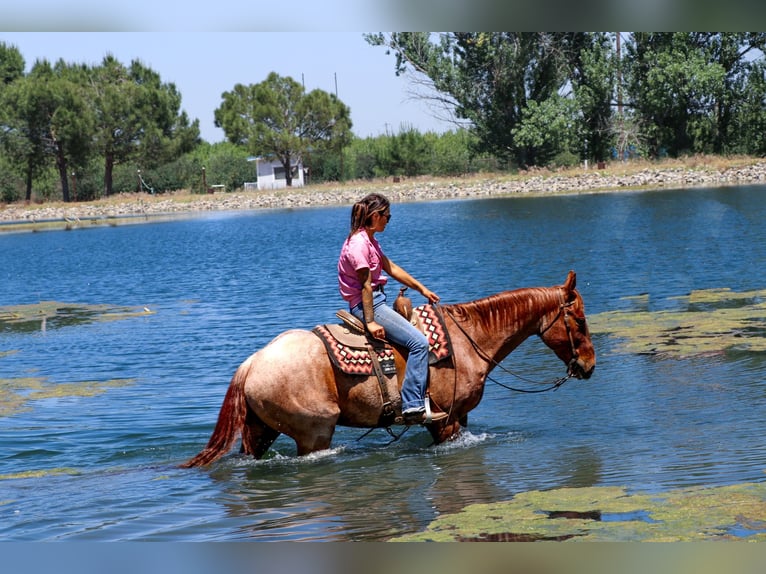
[358, 252]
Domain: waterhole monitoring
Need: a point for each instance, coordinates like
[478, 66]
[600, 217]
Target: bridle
[564, 309]
[551, 386]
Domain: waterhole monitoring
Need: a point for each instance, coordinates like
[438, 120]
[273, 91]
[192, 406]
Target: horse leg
[257, 437]
[443, 431]
[319, 437]
[293, 392]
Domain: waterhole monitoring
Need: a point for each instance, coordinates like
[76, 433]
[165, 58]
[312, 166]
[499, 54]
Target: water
[103, 466]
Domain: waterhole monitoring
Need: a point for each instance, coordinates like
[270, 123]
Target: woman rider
[361, 283]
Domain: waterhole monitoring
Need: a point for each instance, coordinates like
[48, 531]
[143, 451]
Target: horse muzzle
[580, 369]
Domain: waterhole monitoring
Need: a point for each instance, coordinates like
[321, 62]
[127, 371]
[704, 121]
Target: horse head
[566, 332]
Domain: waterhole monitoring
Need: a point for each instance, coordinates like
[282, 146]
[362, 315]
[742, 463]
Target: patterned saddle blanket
[349, 350]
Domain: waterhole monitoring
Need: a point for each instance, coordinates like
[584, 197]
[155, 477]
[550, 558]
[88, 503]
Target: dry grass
[696, 163]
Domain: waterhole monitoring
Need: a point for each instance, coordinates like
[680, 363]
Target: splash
[464, 440]
[705, 322]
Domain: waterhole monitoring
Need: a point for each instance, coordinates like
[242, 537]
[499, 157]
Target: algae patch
[17, 393]
[55, 314]
[705, 322]
[65, 471]
[610, 514]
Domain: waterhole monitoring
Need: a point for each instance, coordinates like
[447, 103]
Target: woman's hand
[430, 295]
[376, 330]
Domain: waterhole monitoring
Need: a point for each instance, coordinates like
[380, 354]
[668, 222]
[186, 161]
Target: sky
[203, 65]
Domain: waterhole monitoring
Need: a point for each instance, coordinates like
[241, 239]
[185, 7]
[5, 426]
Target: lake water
[102, 465]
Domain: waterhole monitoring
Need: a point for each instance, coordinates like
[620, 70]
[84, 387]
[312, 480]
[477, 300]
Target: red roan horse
[291, 386]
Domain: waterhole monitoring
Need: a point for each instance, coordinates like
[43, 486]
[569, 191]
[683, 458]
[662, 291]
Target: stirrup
[429, 414]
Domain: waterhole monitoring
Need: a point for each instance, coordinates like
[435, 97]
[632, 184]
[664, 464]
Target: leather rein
[553, 385]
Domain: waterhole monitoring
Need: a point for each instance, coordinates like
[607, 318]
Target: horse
[291, 386]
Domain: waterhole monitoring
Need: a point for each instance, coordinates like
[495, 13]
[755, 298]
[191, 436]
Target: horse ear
[570, 284]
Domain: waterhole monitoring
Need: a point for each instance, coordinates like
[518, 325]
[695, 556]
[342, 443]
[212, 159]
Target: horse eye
[580, 322]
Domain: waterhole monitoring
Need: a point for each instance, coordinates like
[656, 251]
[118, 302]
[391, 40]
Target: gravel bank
[139, 207]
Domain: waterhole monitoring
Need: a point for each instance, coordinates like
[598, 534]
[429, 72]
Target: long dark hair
[361, 213]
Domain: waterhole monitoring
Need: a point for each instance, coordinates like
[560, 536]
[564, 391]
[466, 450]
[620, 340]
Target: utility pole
[340, 146]
[619, 74]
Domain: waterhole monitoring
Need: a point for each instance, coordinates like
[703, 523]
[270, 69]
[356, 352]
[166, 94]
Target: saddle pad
[348, 351]
[431, 324]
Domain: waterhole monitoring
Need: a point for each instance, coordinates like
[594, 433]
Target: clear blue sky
[203, 65]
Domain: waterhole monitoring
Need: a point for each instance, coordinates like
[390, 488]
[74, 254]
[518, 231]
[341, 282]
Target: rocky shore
[139, 207]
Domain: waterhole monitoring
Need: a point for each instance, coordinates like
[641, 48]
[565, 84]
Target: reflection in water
[350, 493]
[56, 315]
[580, 466]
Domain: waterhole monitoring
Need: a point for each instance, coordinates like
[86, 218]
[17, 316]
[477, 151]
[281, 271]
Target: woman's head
[364, 209]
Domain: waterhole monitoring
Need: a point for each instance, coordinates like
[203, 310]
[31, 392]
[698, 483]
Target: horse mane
[507, 309]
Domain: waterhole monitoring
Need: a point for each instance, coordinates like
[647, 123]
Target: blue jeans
[402, 332]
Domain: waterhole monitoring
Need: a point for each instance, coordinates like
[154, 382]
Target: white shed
[271, 174]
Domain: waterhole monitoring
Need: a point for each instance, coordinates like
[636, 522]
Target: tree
[688, 88]
[749, 122]
[276, 118]
[137, 116]
[11, 64]
[594, 78]
[740, 55]
[11, 138]
[490, 79]
[46, 115]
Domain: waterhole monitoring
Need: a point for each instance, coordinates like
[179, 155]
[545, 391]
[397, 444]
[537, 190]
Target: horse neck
[500, 323]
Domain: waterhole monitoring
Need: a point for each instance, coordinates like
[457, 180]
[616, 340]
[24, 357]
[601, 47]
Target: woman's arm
[401, 275]
[365, 278]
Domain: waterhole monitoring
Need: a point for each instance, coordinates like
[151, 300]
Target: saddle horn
[403, 304]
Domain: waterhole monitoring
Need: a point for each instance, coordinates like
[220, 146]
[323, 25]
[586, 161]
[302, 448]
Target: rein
[553, 385]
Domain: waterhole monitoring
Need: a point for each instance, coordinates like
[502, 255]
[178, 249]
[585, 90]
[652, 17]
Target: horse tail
[231, 420]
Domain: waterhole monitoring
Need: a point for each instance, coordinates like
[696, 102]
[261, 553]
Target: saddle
[352, 349]
[354, 352]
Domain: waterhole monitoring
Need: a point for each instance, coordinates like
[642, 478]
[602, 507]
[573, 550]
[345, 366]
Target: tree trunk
[29, 181]
[61, 165]
[288, 172]
[108, 171]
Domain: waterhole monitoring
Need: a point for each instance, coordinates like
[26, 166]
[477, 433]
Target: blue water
[220, 286]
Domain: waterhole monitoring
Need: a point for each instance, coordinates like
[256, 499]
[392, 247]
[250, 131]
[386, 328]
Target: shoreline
[123, 209]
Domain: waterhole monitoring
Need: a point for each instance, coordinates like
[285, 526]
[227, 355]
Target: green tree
[46, 115]
[740, 54]
[23, 129]
[749, 121]
[594, 79]
[14, 144]
[11, 64]
[549, 128]
[687, 88]
[276, 118]
[137, 117]
[490, 78]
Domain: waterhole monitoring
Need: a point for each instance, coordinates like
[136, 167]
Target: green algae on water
[606, 513]
[16, 394]
[55, 314]
[705, 322]
[41, 473]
